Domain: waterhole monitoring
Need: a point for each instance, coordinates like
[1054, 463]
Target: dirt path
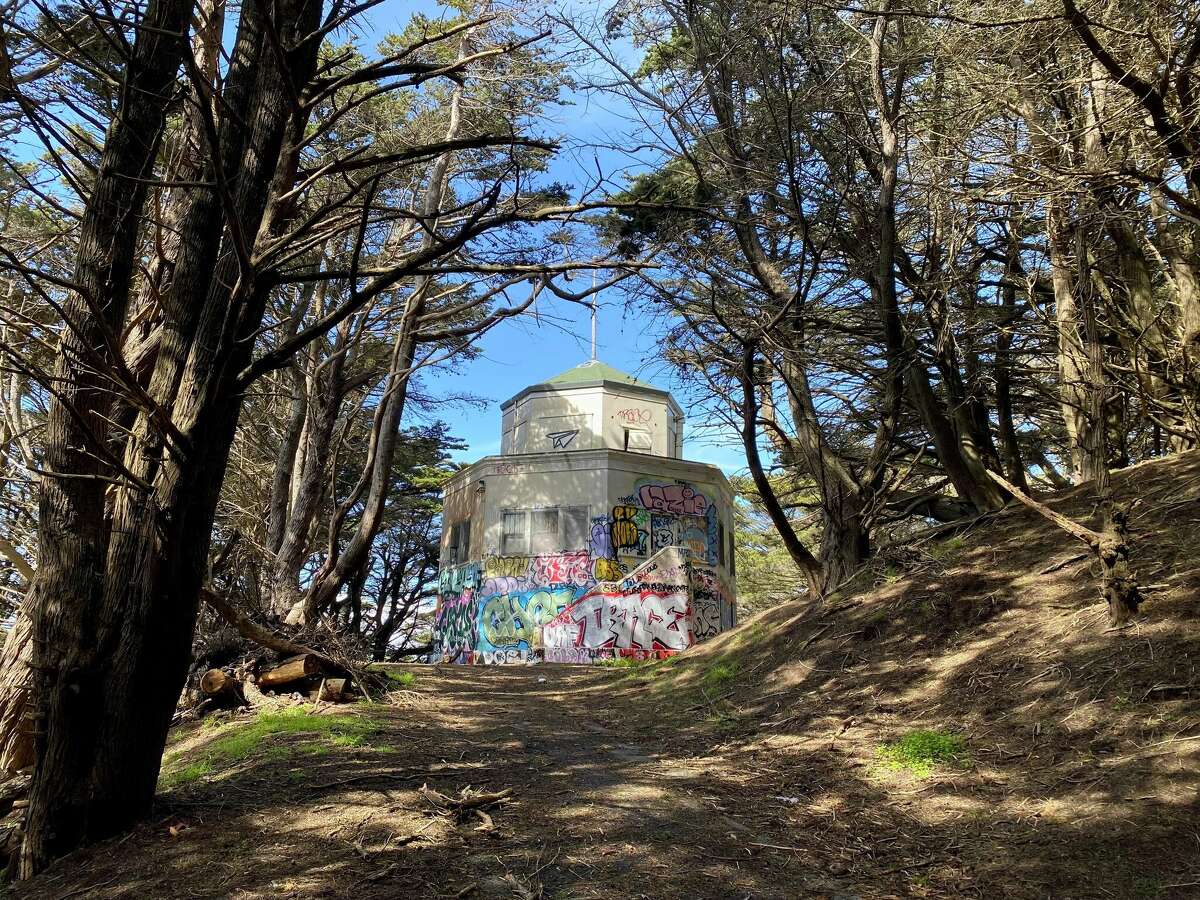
[606, 803]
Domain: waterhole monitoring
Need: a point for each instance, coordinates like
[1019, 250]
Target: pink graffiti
[504, 585]
[647, 620]
[635, 415]
[562, 568]
[678, 499]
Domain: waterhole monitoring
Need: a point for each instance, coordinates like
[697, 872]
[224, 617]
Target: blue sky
[535, 347]
[554, 336]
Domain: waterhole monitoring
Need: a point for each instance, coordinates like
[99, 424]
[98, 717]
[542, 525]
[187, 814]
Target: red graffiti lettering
[634, 415]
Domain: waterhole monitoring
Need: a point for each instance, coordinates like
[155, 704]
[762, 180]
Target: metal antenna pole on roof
[593, 315]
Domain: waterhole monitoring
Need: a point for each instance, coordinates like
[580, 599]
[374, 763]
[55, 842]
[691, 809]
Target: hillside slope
[1080, 762]
[959, 723]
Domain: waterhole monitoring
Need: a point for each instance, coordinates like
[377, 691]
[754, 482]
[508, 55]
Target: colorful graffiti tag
[454, 627]
[628, 531]
[677, 499]
[515, 621]
[562, 568]
[642, 620]
[648, 585]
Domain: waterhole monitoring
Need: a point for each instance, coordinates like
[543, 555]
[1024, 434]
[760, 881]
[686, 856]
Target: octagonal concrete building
[588, 536]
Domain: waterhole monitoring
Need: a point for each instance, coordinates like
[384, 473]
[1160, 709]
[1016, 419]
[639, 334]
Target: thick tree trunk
[16, 729]
[324, 402]
[125, 645]
[1072, 362]
[68, 656]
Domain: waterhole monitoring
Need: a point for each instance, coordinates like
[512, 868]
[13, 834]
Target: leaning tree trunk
[340, 568]
[72, 530]
[800, 554]
[123, 646]
[1118, 585]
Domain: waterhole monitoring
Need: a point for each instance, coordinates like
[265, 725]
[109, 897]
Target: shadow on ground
[750, 767]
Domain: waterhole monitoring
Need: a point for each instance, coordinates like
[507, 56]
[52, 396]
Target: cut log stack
[298, 674]
[304, 666]
[217, 683]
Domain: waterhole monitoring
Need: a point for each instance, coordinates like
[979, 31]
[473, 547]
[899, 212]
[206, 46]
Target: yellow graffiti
[505, 566]
[607, 570]
[624, 529]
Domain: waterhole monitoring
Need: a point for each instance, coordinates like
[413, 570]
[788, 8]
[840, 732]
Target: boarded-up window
[544, 534]
[460, 542]
[720, 543]
[637, 440]
[575, 528]
[514, 539]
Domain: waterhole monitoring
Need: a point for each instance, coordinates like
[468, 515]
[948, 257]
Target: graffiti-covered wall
[559, 609]
[588, 536]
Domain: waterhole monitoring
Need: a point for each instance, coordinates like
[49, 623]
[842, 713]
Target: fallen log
[218, 683]
[303, 666]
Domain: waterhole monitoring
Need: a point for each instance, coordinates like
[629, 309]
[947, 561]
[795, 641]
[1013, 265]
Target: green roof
[594, 370]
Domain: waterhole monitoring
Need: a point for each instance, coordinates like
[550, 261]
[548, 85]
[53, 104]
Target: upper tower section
[592, 407]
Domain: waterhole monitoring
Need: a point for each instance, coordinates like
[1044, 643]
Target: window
[637, 440]
[732, 555]
[552, 530]
[544, 536]
[460, 542]
[575, 528]
[514, 541]
[720, 543]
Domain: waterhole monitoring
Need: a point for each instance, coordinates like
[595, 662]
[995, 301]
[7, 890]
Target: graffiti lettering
[506, 469]
[608, 570]
[561, 568]
[706, 618]
[626, 535]
[677, 499]
[506, 566]
[601, 542]
[499, 657]
[662, 532]
[454, 626]
[695, 541]
[504, 586]
[646, 621]
[455, 580]
[572, 655]
[635, 415]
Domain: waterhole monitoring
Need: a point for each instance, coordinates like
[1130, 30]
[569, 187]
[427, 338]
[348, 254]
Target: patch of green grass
[719, 675]
[622, 662]
[725, 722]
[240, 740]
[401, 679]
[188, 774]
[919, 752]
